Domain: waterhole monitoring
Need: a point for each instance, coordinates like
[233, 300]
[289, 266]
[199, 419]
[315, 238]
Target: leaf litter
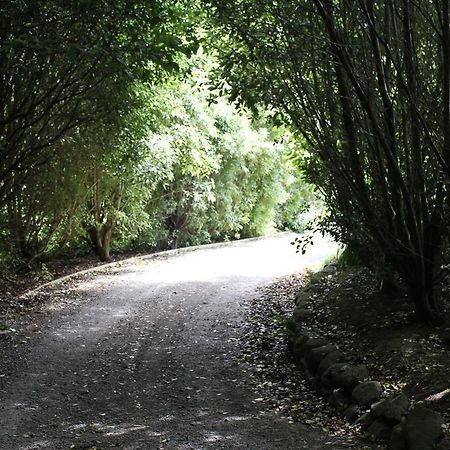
[368, 326]
[278, 382]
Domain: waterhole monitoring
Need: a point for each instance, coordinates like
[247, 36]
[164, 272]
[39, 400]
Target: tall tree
[367, 85]
[66, 63]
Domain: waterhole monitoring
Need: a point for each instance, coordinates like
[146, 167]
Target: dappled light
[150, 352]
[216, 211]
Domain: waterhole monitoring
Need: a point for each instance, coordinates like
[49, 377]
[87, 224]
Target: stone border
[392, 419]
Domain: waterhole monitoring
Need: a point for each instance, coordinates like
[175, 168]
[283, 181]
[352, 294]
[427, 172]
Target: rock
[365, 420]
[313, 343]
[423, 428]
[297, 344]
[322, 390]
[330, 359]
[351, 413]
[392, 408]
[343, 375]
[329, 269]
[445, 336]
[367, 393]
[301, 314]
[397, 440]
[316, 355]
[338, 400]
[302, 298]
[380, 430]
[377, 408]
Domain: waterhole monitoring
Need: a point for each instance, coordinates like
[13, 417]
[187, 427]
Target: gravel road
[146, 356]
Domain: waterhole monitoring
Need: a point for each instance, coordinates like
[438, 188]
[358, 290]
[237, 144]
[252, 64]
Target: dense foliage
[65, 64]
[108, 136]
[367, 84]
[103, 144]
[173, 170]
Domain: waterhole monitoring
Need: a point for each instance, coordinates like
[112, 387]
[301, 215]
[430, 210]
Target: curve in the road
[148, 358]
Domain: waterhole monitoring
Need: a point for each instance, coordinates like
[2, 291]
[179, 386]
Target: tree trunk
[17, 227]
[101, 240]
[423, 283]
[428, 303]
[446, 83]
[107, 231]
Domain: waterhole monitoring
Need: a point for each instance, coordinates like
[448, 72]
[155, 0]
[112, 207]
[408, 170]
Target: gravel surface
[147, 355]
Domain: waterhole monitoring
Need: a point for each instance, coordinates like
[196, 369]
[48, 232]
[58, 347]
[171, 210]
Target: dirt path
[147, 358]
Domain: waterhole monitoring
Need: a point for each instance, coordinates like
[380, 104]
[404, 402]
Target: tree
[250, 184]
[168, 169]
[43, 216]
[64, 64]
[223, 177]
[114, 207]
[360, 80]
[116, 180]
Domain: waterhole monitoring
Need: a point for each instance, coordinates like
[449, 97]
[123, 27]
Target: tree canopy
[64, 64]
[160, 166]
[366, 84]
[115, 131]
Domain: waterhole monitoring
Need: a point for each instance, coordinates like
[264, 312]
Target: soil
[278, 380]
[379, 330]
[148, 354]
[16, 281]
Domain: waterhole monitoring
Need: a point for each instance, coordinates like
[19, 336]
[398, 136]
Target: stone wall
[349, 389]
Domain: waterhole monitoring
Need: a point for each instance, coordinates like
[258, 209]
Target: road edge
[149, 256]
